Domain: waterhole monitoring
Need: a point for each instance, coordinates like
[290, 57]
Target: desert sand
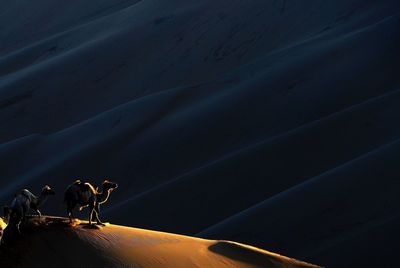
[273, 123]
[52, 242]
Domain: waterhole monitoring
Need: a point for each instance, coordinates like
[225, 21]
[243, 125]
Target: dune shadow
[239, 253]
[90, 226]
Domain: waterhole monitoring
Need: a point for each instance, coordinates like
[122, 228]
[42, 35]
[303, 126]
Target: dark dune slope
[266, 161]
[337, 212]
[226, 119]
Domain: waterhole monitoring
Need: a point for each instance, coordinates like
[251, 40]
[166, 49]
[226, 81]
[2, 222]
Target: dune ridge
[120, 246]
[216, 118]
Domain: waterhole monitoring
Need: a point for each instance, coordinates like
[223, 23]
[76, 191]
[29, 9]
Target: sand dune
[272, 123]
[51, 242]
[347, 207]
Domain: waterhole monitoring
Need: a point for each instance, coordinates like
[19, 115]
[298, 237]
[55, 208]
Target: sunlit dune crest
[53, 239]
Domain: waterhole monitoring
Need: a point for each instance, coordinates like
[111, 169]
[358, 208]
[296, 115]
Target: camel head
[46, 190]
[108, 185]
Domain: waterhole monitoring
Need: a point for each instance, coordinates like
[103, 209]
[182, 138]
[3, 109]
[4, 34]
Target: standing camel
[23, 202]
[85, 195]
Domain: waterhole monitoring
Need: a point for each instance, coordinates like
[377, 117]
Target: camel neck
[41, 199]
[103, 196]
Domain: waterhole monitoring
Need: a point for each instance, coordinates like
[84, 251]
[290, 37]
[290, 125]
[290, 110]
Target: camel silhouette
[85, 195]
[23, 202]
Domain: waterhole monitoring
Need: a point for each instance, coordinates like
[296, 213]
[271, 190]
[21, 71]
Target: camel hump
[26, 193]
[87, 187]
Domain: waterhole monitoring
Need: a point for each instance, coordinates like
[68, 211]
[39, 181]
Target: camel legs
[70, 207]
[91, 211]
[21, 218]
[94, 212]
[39, 213]
[97, 214]
[17, 225]
[70, 216]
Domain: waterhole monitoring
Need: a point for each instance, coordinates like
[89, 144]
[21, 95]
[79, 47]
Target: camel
[85, 195]
[23, 202]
